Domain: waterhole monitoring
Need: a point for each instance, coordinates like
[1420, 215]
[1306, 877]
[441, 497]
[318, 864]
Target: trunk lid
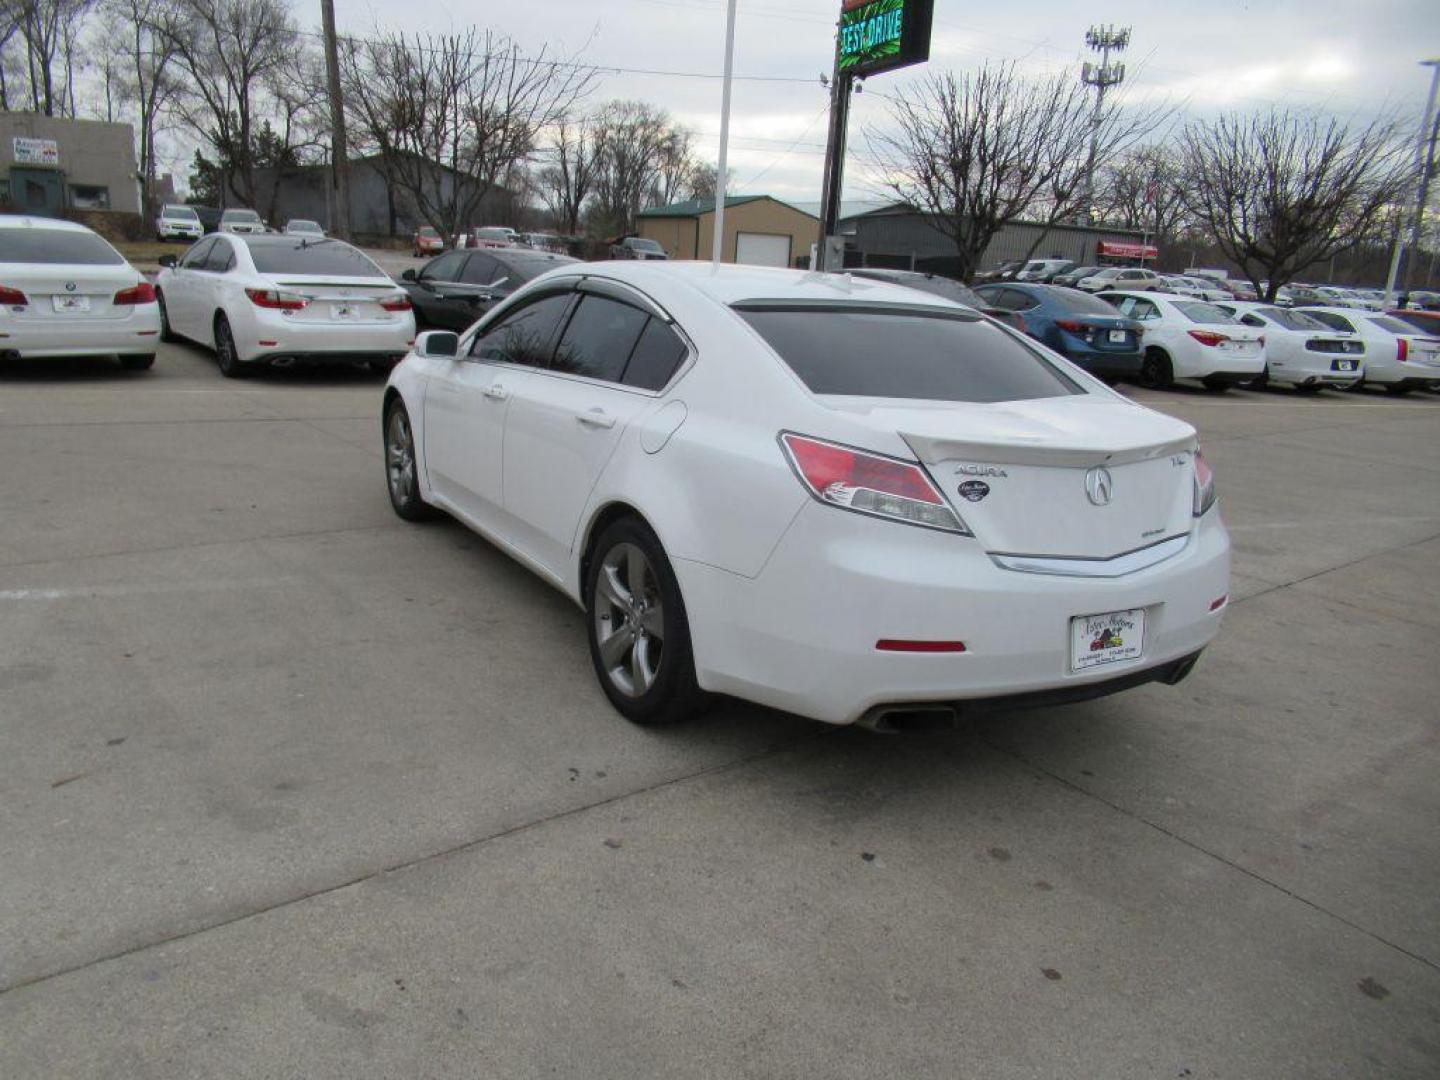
[341, 300]
[1018, 473]
[74, 293]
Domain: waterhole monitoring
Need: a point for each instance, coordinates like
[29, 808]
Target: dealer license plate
[1117, 336]
[1105, 639]
[71, 303]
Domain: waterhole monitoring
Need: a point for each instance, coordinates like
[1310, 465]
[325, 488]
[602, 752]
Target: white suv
[178, 223]
[241, 220]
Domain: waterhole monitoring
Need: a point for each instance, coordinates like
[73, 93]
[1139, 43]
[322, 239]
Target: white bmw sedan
[838, 497]
[1190, 339]
[64, 291]
[280, 299]
[1299, 350]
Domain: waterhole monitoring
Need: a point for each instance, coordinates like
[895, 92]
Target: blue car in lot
[1078, 326]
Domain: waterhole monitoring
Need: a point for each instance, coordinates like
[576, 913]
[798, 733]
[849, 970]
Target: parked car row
[1156, 338]
[178, 222]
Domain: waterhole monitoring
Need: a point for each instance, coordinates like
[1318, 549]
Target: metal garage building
[759, 230]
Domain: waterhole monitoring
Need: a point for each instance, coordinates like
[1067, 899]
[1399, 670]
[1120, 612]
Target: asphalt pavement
[290, 788]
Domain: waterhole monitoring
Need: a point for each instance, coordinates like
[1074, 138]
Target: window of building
[89, 197]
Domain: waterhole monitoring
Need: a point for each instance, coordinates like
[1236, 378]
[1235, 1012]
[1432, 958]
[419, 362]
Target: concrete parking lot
[289, 788]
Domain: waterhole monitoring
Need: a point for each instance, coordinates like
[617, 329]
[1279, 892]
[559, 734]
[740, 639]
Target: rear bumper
[1114, 365]
[801, 635]
[138, 333]
[269, 336]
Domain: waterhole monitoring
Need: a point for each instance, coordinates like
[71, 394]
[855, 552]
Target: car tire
[226, 356]
[1215, 385]
[633, 602]
[402, 466]
[166, 334]
[1397, 389]
[138, 363]
[1259, 382]
[1156, 372]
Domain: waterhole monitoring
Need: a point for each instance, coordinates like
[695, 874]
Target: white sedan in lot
[281, 299]
[1189, 339]
[1398, 356]
[845, 499]
[1301, 351]
[64, 291]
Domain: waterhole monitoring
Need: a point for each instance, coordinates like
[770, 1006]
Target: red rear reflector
[902, 645]
[144, 293]
[269, 343]
[1216, 605]
[1208, 337]
[1402, 349]
[12, 297]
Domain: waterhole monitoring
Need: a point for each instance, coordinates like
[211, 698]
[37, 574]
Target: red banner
[1115, 249]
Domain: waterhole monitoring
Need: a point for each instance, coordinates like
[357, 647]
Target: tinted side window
[222, 257]
[885, 354]
[657, 355]
[1016, 300]
[598, 342]
[445, 268]
[524, 336]
[481, 270]
[196, 256]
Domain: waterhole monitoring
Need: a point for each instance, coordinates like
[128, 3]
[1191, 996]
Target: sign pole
[718, 243]
[840, 89]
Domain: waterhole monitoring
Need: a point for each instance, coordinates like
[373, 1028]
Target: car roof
[29, 221]
[728, 284]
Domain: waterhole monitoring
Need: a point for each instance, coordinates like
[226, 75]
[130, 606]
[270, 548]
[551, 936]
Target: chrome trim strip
[1128, 562]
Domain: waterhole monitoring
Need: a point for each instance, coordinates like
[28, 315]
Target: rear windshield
[306, 226]
[428, 230]
[644, 245]
[1079, 303]
[935, 286]
[56, 247]
[1291, 320]
[1394, 326]
[1204, 313]
[870, 352]
[286, 255]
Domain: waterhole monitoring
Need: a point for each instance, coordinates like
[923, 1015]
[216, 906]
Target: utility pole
[841, 85]
[1102, 76]
[339, 153]
[1422, 185]
[722, 166]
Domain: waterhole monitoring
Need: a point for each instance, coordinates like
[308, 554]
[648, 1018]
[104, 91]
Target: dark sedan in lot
[453, 290]
[1074, 324]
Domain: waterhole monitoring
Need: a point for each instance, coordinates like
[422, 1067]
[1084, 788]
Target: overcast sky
[1355, 58]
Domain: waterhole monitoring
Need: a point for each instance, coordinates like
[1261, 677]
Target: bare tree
[565, 184]
[983, 149]
[138, 73]
[1142, 189]
[643, 158]
[50, 31]
[1282, 191]
[10, 17]
[231, 53]
[451, 115]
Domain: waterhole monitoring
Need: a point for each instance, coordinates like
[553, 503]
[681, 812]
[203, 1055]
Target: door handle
[596, 418]
[496, 392]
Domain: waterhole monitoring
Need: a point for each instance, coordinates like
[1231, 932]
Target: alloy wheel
[400, 457]
[629, 619]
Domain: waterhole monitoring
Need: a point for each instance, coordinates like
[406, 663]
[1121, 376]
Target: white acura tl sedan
[64, 291]
[838, 497]
[280, 299]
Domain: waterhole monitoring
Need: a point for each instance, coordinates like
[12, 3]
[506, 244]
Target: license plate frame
[1091, 638]
[66, 304]
[1117, 337]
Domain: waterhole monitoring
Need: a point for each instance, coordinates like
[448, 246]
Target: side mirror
[437, 343]
[408, 274]
[168, 261]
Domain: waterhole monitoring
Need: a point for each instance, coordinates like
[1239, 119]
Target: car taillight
[144, 293]
[12, 297]
[1071, 325]
[1402, 349]
[1208, 337]
[869, 483]
[1204, 484]
[275, 300]
[396, 303]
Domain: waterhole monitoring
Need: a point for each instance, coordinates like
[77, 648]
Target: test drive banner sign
[881, 35]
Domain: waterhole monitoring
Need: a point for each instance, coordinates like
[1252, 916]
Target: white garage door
[762, 249]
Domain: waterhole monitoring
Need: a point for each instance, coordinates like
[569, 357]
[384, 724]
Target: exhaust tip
[910, 719]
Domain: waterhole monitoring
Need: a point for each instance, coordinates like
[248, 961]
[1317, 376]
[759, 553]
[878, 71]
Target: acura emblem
[1099, 485]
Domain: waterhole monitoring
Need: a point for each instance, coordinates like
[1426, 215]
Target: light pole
[1422, 185]
[721, 166]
